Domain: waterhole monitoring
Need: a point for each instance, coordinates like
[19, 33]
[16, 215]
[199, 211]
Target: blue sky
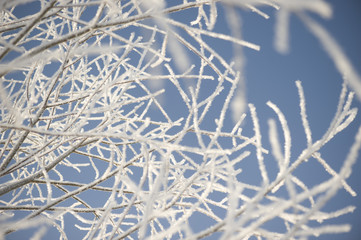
[271, 76]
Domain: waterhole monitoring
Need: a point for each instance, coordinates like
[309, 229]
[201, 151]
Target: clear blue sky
[271, 76]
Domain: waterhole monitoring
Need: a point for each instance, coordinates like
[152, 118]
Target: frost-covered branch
[121, 119]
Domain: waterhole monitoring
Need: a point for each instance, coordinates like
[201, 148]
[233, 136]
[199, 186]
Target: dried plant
[88, 144]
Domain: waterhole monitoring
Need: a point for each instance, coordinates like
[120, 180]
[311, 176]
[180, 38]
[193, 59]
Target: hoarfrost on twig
[86, 131]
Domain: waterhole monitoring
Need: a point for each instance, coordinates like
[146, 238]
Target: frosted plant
[91, 149]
